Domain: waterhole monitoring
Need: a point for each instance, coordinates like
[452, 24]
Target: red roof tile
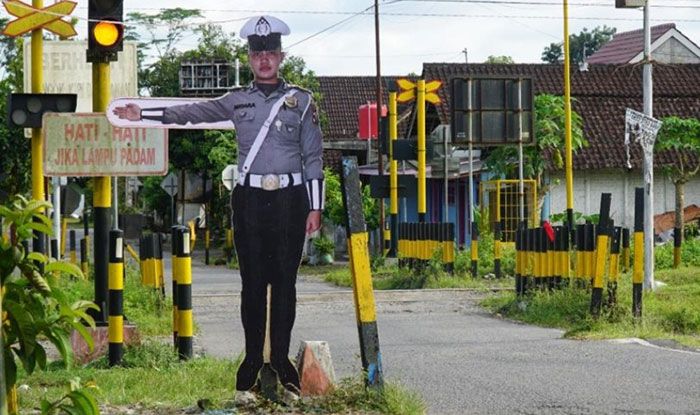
[626, 45]
[341, 96]
[601, 95]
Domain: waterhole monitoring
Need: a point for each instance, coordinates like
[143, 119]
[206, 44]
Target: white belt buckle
[270, 182]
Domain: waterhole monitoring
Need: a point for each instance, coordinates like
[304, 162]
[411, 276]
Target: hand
[313, 221]
[131, 112]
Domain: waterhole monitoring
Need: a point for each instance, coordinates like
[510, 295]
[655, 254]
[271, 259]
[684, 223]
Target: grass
[669, 313]
[394, 277]
[143, 305]
[152, 378]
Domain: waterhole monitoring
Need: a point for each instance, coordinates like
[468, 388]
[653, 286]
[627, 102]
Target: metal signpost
[644, 129]
[170, 185]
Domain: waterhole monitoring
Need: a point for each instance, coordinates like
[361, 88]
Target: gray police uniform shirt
[293, 143]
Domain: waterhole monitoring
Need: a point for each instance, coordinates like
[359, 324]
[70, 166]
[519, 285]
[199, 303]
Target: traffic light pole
[102, 199]
[37, 47]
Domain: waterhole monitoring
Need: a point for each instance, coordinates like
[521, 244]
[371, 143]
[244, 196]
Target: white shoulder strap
[263, 132]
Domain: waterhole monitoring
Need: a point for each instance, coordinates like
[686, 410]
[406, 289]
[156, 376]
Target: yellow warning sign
[408, 91]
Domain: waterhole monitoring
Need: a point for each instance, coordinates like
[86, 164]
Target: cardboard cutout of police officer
[280, 194]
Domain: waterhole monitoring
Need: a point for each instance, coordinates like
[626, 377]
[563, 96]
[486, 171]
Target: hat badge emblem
[262, 27]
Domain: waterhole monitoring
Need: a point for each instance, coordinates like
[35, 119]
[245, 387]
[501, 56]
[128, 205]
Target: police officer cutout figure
[279, 198]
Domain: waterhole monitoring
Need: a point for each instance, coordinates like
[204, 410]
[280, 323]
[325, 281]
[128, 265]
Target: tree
[550, 134]
[581, 45]
[683, 136]
[334, 209]
[502, 59]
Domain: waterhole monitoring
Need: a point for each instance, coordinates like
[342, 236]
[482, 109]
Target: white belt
[270, 181]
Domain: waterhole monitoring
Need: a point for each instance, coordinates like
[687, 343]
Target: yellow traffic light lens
[106, 33]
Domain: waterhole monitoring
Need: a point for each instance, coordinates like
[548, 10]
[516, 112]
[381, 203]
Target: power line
[330, 27]
[544, 3]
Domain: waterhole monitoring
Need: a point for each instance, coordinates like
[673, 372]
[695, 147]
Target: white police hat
[263, 26]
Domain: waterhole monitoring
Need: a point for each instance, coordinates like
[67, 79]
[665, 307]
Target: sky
[417, 31]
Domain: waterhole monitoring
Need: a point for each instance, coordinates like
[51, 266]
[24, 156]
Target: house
[668, 45]
[601, 94]
[341, 98]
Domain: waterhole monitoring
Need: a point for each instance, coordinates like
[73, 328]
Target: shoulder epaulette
[308, 91]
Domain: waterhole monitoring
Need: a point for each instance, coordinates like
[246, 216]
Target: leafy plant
[76, 401]
[36, 307]
[334, 209]
[323, 245]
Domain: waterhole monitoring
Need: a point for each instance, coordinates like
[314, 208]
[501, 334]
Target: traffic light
[27, 110]
[105, 30]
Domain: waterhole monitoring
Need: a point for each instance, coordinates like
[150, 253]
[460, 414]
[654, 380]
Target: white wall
[588, 186]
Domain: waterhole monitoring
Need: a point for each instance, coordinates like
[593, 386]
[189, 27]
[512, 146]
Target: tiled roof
[341, 96]
[601, 95]
[626, 45]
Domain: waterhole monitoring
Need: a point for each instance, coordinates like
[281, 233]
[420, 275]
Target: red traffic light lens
[106, 33]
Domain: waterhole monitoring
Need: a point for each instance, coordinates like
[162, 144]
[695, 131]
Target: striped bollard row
[418, 242]
[151, 260]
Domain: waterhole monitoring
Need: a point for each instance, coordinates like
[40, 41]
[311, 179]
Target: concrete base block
[315, 368]
[100, 338]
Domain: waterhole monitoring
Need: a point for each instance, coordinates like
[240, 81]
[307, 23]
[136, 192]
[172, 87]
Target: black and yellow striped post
[159, 265]
[176, 236]
[677, 243]
[625, 250]
[86, 232]
[591, 252]
[400, 244]
[541, 258]
[519, 261]
[72, 254]
[448, 246]
[614, 267]
[84, 264]
[497, 249]
[207, 241]
[638, 266]
[549, 260]
[229, 245]
[102, 197]
[565, 260]
[116, 297]
[387, 241]
[361, 275]
[475, 249]
[185, 326]
[393, 173]
[601, 254]
[578, 254]
[556, 257]
[420, 124]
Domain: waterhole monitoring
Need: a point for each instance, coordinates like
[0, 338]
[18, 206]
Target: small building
[668, 45]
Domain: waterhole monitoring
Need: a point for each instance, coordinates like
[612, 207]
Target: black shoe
[248, 373]
[288, 375]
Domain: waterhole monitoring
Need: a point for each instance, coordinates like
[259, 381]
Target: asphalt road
[461, 359]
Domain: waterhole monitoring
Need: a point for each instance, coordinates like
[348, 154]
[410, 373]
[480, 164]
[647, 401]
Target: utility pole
[567, 126]
[380, 160]
[466, 55]
[648, 164]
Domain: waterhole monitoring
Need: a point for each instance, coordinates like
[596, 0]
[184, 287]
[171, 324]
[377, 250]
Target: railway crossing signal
[105, 30]
[27, 110]
[408, 91]
[30, 18]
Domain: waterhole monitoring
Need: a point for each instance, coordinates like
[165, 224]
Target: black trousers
[269, 231]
